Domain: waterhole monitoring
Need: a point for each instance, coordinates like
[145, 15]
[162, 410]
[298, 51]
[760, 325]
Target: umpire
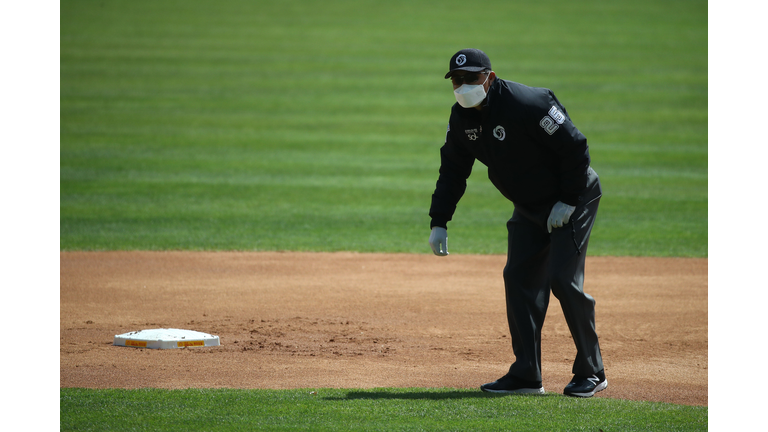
[538, 160]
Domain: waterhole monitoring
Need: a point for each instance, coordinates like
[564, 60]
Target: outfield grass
[316, 126]
[363, 410]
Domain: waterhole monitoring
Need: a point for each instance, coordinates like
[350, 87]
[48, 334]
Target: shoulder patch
[552, 121]
[556, 115]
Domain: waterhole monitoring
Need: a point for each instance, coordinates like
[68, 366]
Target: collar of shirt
[493, 89]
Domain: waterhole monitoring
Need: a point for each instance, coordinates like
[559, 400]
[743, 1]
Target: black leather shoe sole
[539, 390]
[507, 386]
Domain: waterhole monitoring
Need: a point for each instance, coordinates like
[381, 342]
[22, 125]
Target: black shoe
[584, 386]
[511, 385]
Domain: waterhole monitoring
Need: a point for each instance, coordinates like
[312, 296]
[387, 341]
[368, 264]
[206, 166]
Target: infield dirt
[350, 320]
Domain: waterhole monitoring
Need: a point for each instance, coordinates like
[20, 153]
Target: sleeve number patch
[552, 121]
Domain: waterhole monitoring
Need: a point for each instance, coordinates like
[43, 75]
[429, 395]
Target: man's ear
[491, 79]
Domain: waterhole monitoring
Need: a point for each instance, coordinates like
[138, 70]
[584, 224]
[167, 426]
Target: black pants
[538, 262]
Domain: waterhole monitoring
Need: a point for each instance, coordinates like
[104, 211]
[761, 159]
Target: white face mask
[469, 96]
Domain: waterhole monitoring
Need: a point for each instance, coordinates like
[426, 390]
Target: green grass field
[414, 409]
[316, 126]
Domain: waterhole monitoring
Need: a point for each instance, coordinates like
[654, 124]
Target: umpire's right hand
[439, 241]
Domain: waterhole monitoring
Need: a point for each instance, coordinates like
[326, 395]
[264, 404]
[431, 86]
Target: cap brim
[468, 69]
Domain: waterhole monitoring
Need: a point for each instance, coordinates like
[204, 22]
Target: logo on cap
[461, 59]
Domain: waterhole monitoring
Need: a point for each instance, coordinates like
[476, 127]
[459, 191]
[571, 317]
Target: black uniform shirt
[534, 154]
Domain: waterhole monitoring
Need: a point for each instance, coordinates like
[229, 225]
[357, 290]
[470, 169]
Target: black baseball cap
[469, 59]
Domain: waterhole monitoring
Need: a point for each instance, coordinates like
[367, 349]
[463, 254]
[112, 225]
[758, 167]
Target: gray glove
[560, 215]
[439, 241]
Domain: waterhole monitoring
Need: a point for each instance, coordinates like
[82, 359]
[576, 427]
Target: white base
[166, 339]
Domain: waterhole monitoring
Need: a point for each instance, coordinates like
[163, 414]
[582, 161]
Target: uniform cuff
[438, 223]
